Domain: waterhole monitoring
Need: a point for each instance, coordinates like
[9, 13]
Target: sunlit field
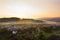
[31, 31]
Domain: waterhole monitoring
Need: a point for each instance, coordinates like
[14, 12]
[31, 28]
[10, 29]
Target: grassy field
[30, 31]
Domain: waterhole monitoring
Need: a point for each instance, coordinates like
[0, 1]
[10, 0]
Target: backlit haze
[30, 8]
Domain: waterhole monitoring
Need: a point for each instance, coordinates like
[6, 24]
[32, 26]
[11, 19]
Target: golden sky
[30, 8]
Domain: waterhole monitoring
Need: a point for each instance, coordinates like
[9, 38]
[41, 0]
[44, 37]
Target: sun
[21, 19]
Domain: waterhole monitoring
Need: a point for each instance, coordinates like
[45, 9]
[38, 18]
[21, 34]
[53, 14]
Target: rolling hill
[15, 19]
[56, 19]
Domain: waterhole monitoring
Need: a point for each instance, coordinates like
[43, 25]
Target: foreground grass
[32, 33]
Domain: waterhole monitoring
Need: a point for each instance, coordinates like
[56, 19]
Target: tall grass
[30, 32]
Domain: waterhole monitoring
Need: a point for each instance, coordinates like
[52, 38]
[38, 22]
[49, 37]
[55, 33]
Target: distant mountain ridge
[56, 19]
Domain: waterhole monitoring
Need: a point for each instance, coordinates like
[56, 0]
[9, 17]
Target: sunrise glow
[30, 8]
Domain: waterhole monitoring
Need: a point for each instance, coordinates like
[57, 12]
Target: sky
[30, 8]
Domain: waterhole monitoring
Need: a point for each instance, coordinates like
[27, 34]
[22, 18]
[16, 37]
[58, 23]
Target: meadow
[32, 31]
